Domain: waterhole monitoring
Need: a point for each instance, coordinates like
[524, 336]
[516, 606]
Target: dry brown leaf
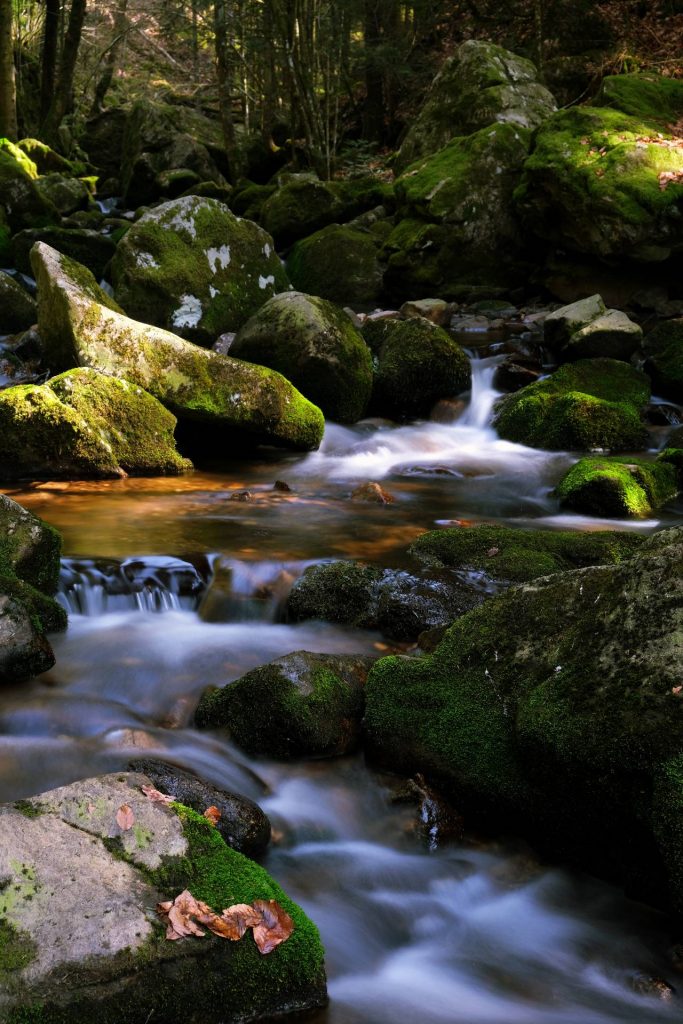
[213, 815]
[155, 796]
[179, 913]
[275, 927]
[125, 817]
[670, 178]
[239, 917]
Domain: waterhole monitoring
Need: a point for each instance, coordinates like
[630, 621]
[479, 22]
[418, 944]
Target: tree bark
[63, 97]
[8, 89]
[224, 75]
[49, 56]
[105, 79]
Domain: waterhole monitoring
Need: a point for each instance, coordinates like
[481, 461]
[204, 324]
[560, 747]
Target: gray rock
[18, 309]
[67, 194]
[612, 335]
[562, 323]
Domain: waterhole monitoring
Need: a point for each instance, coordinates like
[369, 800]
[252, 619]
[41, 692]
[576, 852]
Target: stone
[437, 310]
[337, 263]
[303, 205]
[554, 707]
[82, 424]
[589, 404]
[29, 548]
[194, 268]
[621, 488]
[79, 929]
[418, 363]
[81, 326]
[45, 159]
[612, 336]
[646, 95]
[663, 347]
[373, 493]
[24, 650]
[559, 325]
[66, 194]
[20, 202]
[481, 84]
[301, 705]
[18, 309]
[91, 248]
[313, 344]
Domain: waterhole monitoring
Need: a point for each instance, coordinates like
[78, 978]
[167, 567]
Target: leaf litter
[271, 924]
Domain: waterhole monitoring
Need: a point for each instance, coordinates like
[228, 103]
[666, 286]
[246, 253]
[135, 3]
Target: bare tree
[8, 93]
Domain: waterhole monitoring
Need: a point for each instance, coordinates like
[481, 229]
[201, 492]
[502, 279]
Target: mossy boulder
[480, 85]
[338, 263]
[13, 150]
[85, 424]
[646, 95]
[91, 248]
[20, 201]
[399, 604]
[593, 403]
[663, 347]
[81, 326]
[595, 183]
[66, 194]
[417, 363]
[29, 548]
[45, 159]
[193, 267]
[303, 205]
[301, 705]
[507, 554]
[248, 198]
[315, 346]
[553, 707]
[457, 224]
[621, 488]
[17, 308]
[113, 963]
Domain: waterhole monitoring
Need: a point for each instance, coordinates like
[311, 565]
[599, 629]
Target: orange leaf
[155, 796]
[213, 815]
[125, 818]
[275, 927]
[239, 917]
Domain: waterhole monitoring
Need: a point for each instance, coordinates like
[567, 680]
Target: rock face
[302, 705]
[303, 204]
[338, 263]
[17, 308]
[593, 403]
[480, 85]
[624, 488]
[587, 330]
[192, 267]
[85, 424]
[81, 899]
[567, 725]
[81, 326]
[417, 363]
[314, 345]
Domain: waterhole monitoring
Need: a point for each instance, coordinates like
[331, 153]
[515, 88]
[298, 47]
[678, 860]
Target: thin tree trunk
[49, 56]
[105, 79]
[8, 89]
[63, 98]
[373, 111]
[224, 75]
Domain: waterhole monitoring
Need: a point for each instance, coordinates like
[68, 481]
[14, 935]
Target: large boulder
[314, 344]
[193, 267]
[646, 95]
[21, 204]
[339, 263]
[587, 330]
[301, 705]
[66, 194]
[663, 348]
[593, 403]
[555, 708]
[86, 865]
[17, 308]
[457, 225]
[417, 363]
[91, 248]
[83, 423]
[81, 326]
[604, 184]
[481, 85]
[624, 488]
[303, 204]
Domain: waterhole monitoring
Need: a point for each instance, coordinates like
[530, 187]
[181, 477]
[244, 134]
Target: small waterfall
[95, 587]
[479, 412]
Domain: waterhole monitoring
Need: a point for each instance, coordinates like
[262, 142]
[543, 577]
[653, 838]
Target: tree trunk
[63, 98]
[8, 91]
[49, 56]
[373, 109]
[224, 74]
[105, 79]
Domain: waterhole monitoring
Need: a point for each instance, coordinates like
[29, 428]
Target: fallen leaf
[213, 815]
[155, 796]
[275, 927]
[676, 689]
[670, 178]
[179, 913]
[125, 818]
[239, 917]
[492, 552]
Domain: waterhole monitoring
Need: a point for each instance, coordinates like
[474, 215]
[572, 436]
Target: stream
[478, 932]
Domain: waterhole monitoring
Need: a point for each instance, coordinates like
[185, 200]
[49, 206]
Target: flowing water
[478, 933]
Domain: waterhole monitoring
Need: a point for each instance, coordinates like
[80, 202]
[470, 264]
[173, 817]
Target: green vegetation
[623, 488]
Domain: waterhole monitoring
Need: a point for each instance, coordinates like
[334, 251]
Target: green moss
[506, 553]
[593, 403]
[28, 808]
[651, 97]
[665, 366]
[623, 488]
[667, 822]
[337, 263]
[12, 149]
[334, 592]
[17, 951]
[248, 198]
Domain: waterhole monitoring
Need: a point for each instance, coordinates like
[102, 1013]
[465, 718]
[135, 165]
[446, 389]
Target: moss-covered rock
[66, 194]
[119, 965]
[248, 198]
[85, 424]
[593, 403]
[21, 202]
[554, 707]
[191, 266]
[663, 347]
[624, 488]
[504, 553]
[91, 248]
[17, 308]
[315, 346]
[595, 183]
[559, 325]
[481, 85]
[46, 160]
[338, 263]
[417, 364]
[211, 190]
[29, 548]
[302, 705]
[13, 150]
[646, 95]
[466, 190]
[303, 205]
[80, 325]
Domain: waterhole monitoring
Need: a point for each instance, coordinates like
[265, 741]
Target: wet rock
[316, 347]
[302, 705]
[593, 403]
[657, 988]
[516, 372]
[80, 325]
[85, 424]
[337, 263]
[91, 248]
[622, 488]
[242, 824]
[663, 347]
[24, 651]
[438, 311]
[192, 267]
[80, 932]
[438, 822]
[576, 333]
[283, 486]
[372, 492]
[241, 496]
[17, 308]
[418, 363]
[30, 548]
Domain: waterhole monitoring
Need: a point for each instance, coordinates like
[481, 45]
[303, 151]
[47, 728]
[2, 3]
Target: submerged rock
[315, 346]
[624, 488]
[81, 325]
[593, 403]
[194, 268]
[555, 707]
[81, 937]
[302, 705]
